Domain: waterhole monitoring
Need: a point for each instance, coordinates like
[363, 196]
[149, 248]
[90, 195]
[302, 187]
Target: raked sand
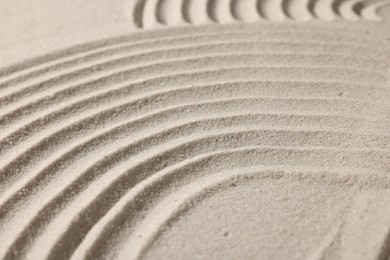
[195, 129]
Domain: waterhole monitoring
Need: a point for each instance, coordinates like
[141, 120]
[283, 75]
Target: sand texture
[195, 129]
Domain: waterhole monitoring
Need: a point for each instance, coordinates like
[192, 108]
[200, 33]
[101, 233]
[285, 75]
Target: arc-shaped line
[195, 193]
[285, 5]
[44, 142]
[325, 9]
[347, 10]
[199, 56]
[358, 7]
[90, 117]
[272, 9]
[198, 12]
[137, 8]
[245, 10]
[297, 9]
[29, 106]
[211, 10]
[182, 19]
[336, 4]
[173, 12]
[65, 53]
[311, 6]
[189, 162]
[179, 202]
[187, 196]
[15, 92]
[185, 9]
[271, 69]
[152, 17]
[222, 11]
[185, 35]
[126, 101]
[344, 152]
[371, 11]
[111, 132]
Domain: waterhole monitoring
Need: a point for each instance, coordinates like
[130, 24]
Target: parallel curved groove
[74, 75]
[114, 63]
[111, 131]
[228, 11]
[123, 128]
[9, 83]
[115, 130]
[167, 93]
[304, 58]
[93, 143]
[236, 158]
[35, 148]
[348, 155]
[188, 196]
[62, 55]
[214, 181]
[270, 70]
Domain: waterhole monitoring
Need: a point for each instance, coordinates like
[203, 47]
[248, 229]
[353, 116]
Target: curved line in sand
[228, 11]
[125, 54]
[17, 112]
[52, 170]
[112, 63]
[371, 12]
[349, 11]
[22, 189]
[150, 36]
[138, 11]
[147, 97]
[186, 197]
[347, 154]
[61, 131]
[14, 92]
[140, 188]
[265, 69]
[245, 10]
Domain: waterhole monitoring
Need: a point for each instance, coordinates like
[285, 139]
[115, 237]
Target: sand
[195, 129]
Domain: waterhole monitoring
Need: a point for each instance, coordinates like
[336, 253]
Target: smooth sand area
[195, 129]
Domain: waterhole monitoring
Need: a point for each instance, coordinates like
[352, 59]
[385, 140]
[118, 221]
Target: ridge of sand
[158, 13]
[221, 140]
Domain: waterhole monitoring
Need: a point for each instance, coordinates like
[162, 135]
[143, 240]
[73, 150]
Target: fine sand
[195, 129]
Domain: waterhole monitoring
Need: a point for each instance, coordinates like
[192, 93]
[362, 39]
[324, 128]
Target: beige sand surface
[195, 129]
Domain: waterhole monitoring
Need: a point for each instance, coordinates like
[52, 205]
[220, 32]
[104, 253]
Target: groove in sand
[112, 140]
